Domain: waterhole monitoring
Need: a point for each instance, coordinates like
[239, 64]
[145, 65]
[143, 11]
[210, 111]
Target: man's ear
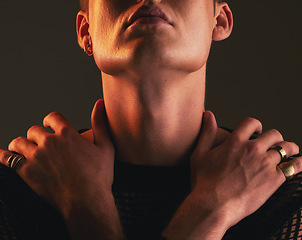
[82, 28]
[224, 22]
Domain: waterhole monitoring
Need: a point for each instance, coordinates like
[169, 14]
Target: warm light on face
[183, 44]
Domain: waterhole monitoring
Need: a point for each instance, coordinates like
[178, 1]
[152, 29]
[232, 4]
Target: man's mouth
[148, 14]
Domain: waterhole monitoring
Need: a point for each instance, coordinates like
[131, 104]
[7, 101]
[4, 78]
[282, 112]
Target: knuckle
[32, 129]
[15, 142]
[251, 120]
[18, 139]
[297, 165]
[254, 147]
[266, 162]
[11, 146]
[287, 145]
[253, 123]
[234, 143]
[48, 139]
[292, 147]
[52, 115]
[295, 147]
[36, 154]
[234, 140]
[66, 132]
[258, 123]
[276, 133]
[247, 120]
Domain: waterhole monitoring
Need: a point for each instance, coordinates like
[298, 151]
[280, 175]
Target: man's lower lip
[150, 20]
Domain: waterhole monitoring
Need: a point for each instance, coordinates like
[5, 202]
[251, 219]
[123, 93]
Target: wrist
[93, 218]
[88, 202]
[100, 201]
[198, 219]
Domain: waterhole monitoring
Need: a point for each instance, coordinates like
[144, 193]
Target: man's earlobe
[82, 29]
[224, 22]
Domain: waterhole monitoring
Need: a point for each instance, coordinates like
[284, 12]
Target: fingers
[11, 160]
[4, 155]
[208, 133]
[289, 147]
[287, 170]
[246, 128]
[22, 146]
[221, 136]
[270, 138]
[36, 134]
[99, 123]
[57, 122]
[297, 164]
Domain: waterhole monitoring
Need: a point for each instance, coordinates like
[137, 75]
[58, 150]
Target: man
[153, 57]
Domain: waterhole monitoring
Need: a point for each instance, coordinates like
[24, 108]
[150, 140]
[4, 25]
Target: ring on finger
[13, 160]
[280, 150]
[288, 169]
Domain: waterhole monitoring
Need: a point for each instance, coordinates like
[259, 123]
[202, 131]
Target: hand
[63, 164]
[230, 180]
[239, 169]
[72, 173]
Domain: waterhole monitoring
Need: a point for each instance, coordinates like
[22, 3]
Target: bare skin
[154, 86]
[148, 112]
[248, 166]
[72, 173]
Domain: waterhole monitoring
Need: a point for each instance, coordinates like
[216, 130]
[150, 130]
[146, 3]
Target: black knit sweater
[146, 198]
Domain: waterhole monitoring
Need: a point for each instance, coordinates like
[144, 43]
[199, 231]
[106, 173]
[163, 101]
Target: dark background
[256, 72]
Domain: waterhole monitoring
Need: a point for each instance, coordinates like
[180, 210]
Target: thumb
[207, 135]
[99, 123]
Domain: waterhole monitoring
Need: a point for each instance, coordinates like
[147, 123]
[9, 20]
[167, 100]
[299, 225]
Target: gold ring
[288, 169]
[13, 160]
[280, 150]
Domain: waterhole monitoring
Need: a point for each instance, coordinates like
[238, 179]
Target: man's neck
[156, 118]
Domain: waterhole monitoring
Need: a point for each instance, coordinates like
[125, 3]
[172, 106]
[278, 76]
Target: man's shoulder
[25, 215]
[269, 219]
